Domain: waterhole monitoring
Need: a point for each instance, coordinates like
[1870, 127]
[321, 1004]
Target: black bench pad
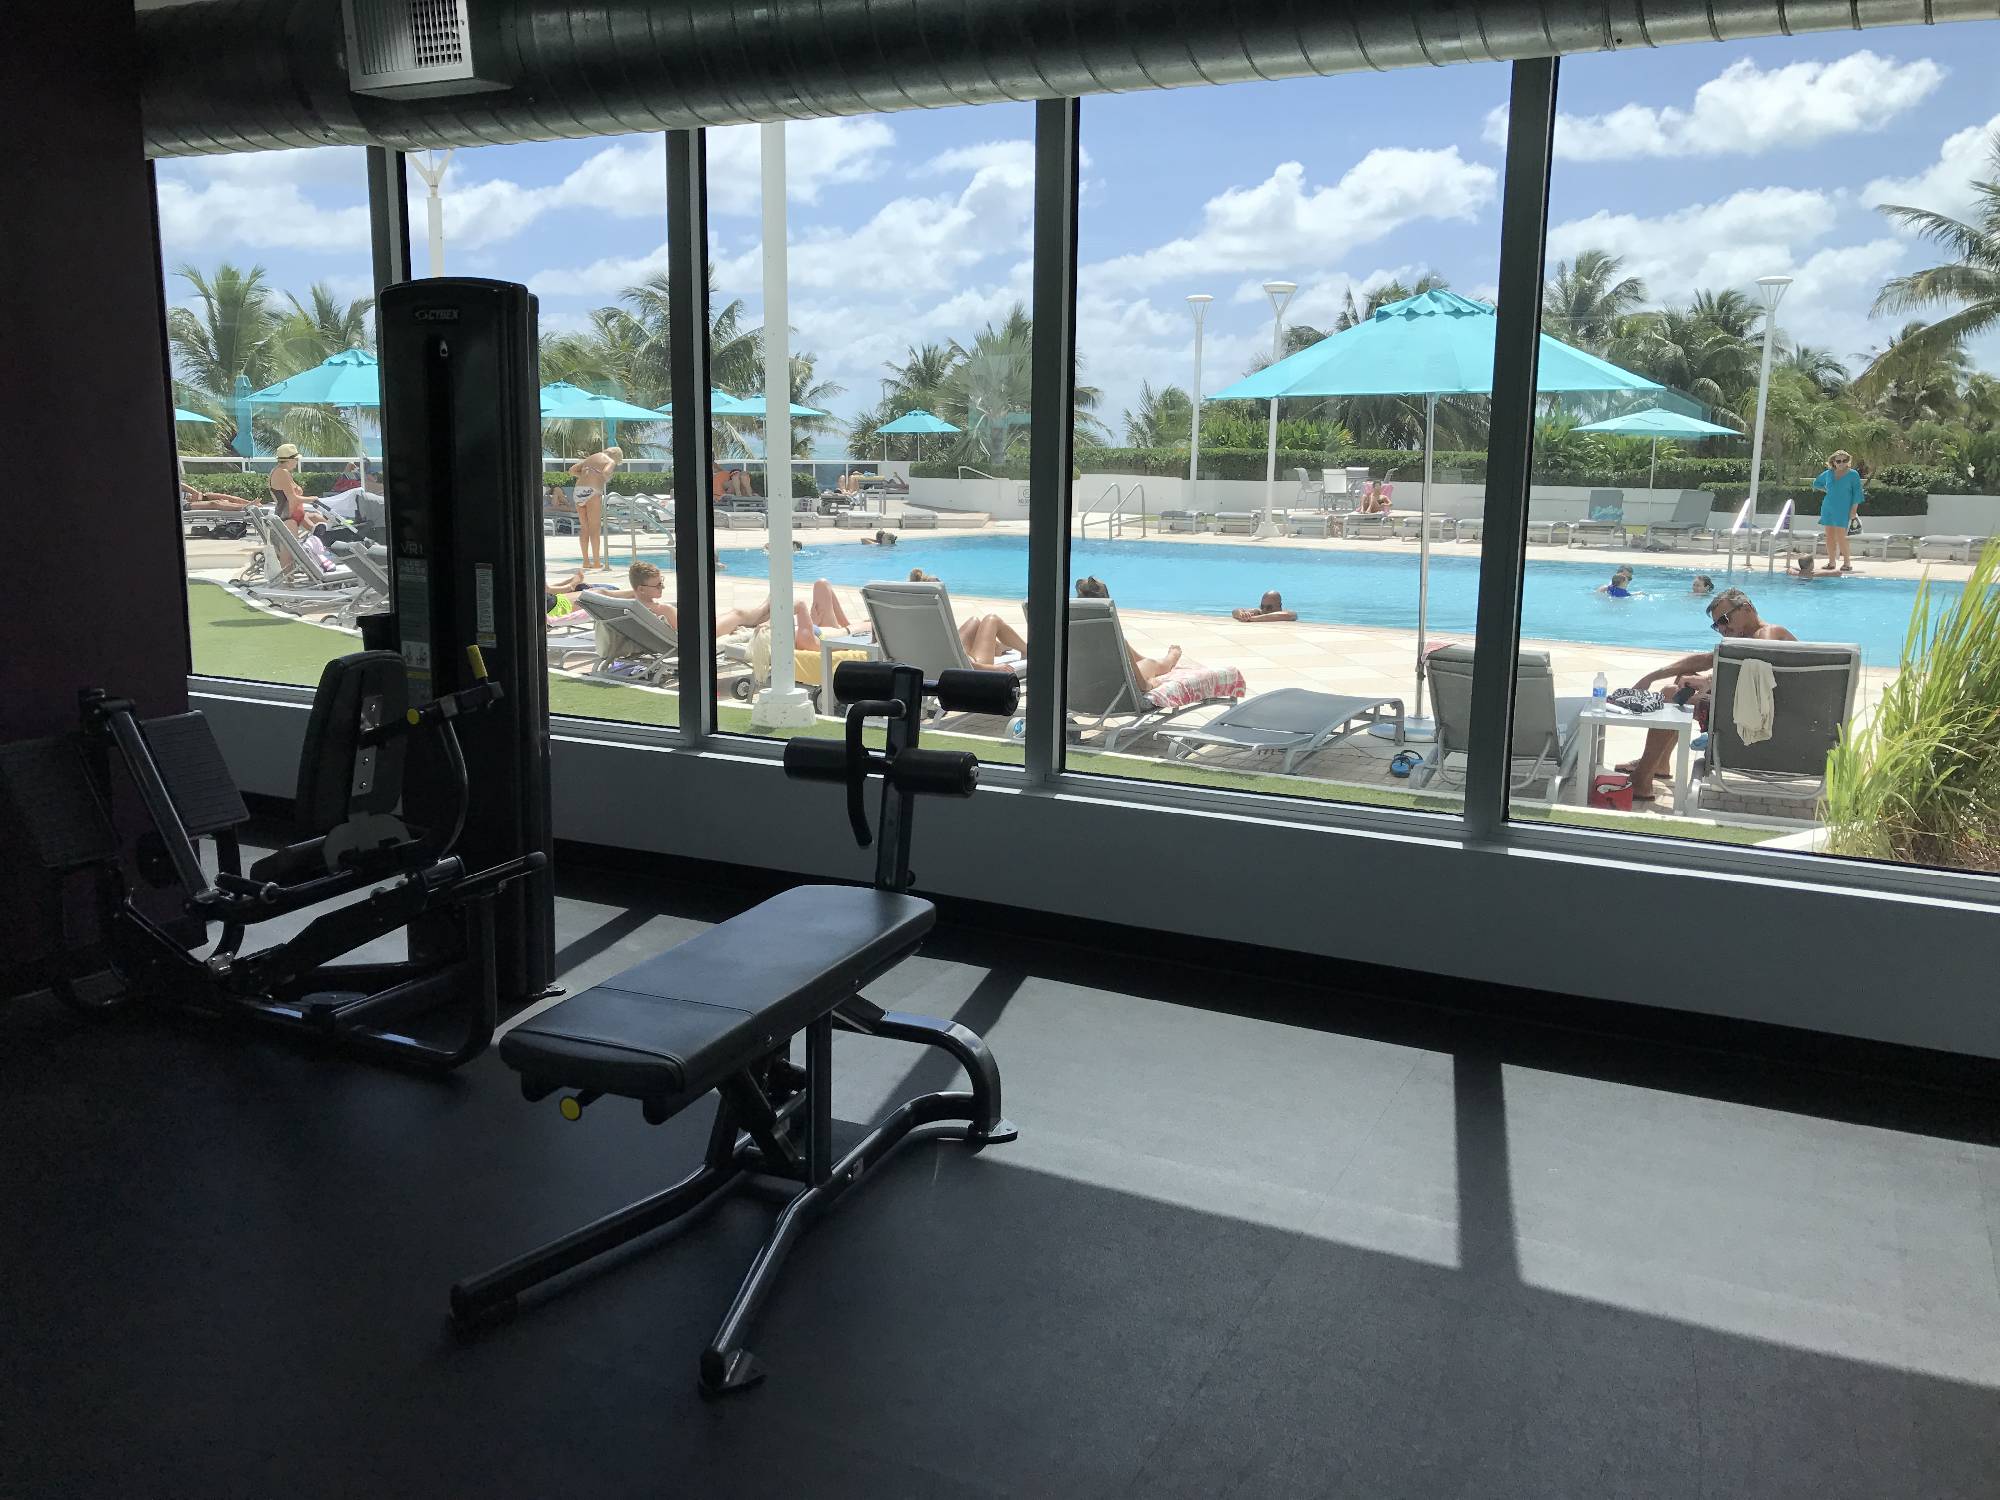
[678, 1024]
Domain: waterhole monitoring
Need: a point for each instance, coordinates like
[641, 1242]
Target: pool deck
[1326, 658]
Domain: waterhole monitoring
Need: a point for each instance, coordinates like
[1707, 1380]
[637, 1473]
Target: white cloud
[818, 154]
[1746, 110]
[1282, 225]
[1945, 186]
[257, 201]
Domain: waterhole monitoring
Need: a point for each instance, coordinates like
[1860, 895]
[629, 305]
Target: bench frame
[774, 1117]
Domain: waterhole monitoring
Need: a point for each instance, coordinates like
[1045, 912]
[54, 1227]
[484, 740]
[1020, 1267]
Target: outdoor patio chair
[1950, 548]
[371, 566]
[1813, 698]
[1237, 522]
[1372, 526]
[861, 520]
[1882, 545]
[1547, 733]
[1471, 528]
[914, 625]
[199, 521]
[1443, 528]
[916, 518]
[1321, 523]
[1103, 685]
[284, 575]
[1312, 492]
[1606, 522]
[1290, 723]
[1689, 518]
[1181, 520]
[628, 632]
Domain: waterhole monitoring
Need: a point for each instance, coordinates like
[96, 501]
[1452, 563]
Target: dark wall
[90, 553]
[83, 371]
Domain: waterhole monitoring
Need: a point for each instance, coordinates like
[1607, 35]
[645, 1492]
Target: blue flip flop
[1405, 762]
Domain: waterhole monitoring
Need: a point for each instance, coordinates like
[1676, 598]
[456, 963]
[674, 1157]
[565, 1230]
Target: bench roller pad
[680, 1023]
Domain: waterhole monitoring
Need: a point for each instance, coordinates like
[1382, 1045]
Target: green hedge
[251, 486]
[621, 484]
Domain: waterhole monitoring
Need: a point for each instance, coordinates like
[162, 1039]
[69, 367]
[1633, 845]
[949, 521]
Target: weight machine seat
[675, 1026]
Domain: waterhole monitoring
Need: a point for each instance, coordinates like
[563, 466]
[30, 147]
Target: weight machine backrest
[339, 775]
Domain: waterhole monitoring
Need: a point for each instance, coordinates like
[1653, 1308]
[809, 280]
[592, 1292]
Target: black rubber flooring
[1255, 1240]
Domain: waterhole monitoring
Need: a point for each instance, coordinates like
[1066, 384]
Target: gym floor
[1256, 1240]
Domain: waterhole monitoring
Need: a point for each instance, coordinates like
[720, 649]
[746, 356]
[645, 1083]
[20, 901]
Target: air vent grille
[414, 48]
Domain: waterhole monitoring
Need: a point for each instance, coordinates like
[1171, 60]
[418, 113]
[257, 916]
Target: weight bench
[719, 1013]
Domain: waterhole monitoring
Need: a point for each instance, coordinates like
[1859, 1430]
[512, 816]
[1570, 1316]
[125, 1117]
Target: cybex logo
[436, 315]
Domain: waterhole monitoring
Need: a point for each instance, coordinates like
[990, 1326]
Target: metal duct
[248, 75]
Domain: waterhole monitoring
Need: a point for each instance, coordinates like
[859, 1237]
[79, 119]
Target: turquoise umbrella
[192, 416]
[350, 378]
[245, 441]
[1657, 422]
[1430, 345]
[563, 402]
[917, 422]
[753, 406]
[720, 404]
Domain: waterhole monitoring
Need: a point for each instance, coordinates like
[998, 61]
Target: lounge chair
[1690, 517]
[1181, 520]
[1237, 522]
[1443, 528]
[1812, 700]
[1103, 684]
[284, 575]
[1290, 723]
[1606, 523]
[203, 521]
[914, 625]
[861, 520]
[1951, 548]
[1546, 728]
[916, 518]
[1311, 523]
[1883, 545]
[628, 632]
[371, 566]
[1471, 528]
[1367, 525]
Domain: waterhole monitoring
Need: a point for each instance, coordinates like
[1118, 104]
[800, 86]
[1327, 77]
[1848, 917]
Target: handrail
[1736, 529]
[1782, 525]
[1114, 519]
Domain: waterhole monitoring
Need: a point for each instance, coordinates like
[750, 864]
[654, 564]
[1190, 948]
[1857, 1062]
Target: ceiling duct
[245, 75]
[422, 49]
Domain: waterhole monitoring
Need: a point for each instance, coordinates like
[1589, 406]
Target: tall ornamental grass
[1920, 781]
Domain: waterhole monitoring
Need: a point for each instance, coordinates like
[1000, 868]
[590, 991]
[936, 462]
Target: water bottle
[1597, 691]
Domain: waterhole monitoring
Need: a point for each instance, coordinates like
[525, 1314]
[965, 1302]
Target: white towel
[1756, 700]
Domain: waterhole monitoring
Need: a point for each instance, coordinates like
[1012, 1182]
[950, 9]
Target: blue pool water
[1379, 587]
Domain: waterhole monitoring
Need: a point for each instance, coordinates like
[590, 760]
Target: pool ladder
[1114, 519]
[1782, 527]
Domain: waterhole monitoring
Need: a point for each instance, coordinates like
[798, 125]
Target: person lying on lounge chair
[731, 482]
[1150, 669]
[195, 499]
[1270, 610]
[648, 586]
[826, 615]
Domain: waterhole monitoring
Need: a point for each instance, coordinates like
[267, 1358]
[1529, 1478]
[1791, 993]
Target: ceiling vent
[421, 49]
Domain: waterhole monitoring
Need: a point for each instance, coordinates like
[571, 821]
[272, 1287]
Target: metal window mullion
[1052, 403]
[687, 355]
[1509, 445]
[388, 216]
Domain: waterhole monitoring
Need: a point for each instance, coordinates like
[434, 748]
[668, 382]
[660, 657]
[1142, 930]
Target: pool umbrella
[720, 404]
[753, 406]
[1431, 345]
[350, 378]
[192, 416]
[1657, 422]
[917, 422]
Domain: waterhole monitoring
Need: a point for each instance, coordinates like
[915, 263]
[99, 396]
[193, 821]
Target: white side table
[1680, 720]
[830, 643]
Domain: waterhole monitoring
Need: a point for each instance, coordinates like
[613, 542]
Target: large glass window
[270, 324]
[907, 288]
[1796, 239]
[1282, 597]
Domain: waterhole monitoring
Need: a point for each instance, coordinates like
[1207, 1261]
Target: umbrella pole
[1653, 467]
[1424, 560]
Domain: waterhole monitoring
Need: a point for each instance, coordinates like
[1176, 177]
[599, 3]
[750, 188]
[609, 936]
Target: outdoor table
[1680, 720]
[829, 643]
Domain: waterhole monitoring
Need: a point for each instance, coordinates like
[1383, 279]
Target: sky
[1704, 166]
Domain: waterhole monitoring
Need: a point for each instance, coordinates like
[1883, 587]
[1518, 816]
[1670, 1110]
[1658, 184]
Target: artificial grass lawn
[230, 638]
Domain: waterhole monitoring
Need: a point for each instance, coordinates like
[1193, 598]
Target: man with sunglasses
[1731, 614]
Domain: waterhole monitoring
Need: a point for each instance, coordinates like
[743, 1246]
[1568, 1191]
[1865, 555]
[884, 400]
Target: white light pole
[1772, 288]
[1198, 305]
[1280, 293]
[784, 704]
[431, 168]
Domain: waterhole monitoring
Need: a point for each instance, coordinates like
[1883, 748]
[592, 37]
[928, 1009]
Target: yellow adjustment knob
[478, 662]
[415, 718]
[571, 1110]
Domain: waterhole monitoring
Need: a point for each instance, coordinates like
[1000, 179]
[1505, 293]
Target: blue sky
[1704, 165]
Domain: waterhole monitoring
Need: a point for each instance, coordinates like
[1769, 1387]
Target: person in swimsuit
[1270, 610]
[281, 485]
[195, 499]
[593, 475]
[1616, 589]
[1149, 669]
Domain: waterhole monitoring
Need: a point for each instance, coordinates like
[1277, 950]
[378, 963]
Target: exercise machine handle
[941, 773]
[966, 691]
[816, 760]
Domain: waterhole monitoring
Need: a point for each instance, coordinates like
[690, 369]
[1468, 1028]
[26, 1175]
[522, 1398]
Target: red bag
[1612, 789]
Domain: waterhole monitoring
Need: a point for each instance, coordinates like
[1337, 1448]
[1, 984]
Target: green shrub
[1926, 478]
[251, 486]
[1919, 780]
[621, 484]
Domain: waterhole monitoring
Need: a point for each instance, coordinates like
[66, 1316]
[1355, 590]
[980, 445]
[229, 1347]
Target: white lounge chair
[1885, 546]
[1951, 548]
[284, 575]
[371, 566]
[861, 520]
[629, 632]
[916, 518]
[1237, 522]
[1546, 737]
[1606, 523]
[1102, 682]
[1320, 523]
[1367, 525]
[1290, 723]
[914, 625]
[1812, 700]
[1690, 517]
[1182, 520]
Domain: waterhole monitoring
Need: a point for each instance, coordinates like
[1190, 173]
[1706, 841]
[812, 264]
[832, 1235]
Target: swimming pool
[1379, 588]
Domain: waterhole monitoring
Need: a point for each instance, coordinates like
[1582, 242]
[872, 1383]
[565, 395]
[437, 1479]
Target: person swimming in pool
[1702, 584]
[1618, 588]
[1270, 610]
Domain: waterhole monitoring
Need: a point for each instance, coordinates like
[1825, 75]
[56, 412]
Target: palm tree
[322, 326]
[1969, 283]
[1165, 418]
[1822, 367]
[1913, 379]
[1585, 299]
[1694, 349]
[988, 393]
[231, 336]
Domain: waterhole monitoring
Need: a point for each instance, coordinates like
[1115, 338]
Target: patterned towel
[1186, 686]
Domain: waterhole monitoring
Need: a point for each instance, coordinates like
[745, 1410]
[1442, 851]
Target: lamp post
[1198, 305]
[1280, 293]
[431, 169]
[1772, 289]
